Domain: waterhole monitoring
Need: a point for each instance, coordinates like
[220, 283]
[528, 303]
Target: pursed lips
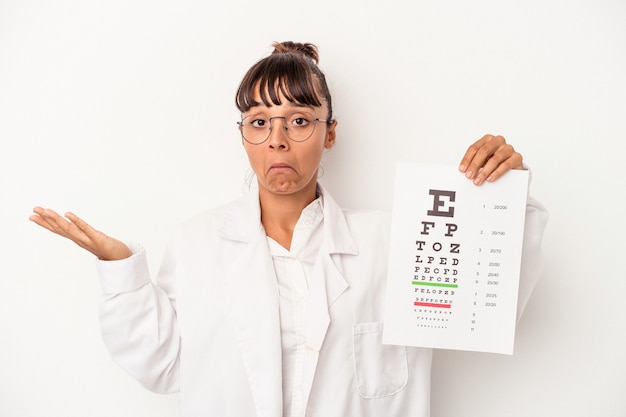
[280, 166]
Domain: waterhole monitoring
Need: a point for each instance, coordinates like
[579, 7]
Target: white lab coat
[209, 327]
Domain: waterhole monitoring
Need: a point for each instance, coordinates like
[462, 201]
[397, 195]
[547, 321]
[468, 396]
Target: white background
[122, 111]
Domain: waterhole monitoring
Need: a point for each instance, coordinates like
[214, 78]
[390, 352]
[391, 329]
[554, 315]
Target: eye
[300, 121]
[258, 122]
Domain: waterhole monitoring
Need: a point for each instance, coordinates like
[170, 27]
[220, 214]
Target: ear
[330, 135]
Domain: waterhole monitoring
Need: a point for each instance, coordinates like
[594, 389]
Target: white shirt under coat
[292, 268]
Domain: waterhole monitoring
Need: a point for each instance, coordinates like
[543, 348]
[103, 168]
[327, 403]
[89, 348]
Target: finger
[55, 223]
[483, 150]
[49, 219]
[514, 162]
[478, 153]
[85, 235]
[82, 225]
[500, 170]
[41, 221]
[502, 161]
[58, 222]
[44, 212]
[78, 231]
[490, 168]
[467, 158]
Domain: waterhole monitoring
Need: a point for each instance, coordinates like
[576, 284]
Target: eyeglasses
[299, 126]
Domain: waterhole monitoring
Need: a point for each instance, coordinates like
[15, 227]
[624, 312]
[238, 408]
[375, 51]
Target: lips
[280, 167]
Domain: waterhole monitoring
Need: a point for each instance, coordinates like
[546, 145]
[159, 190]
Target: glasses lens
[298, 127]
[255, 128]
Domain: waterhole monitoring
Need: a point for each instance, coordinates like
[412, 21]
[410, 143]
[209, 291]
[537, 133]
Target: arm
[138, 322]
[138, 318]
[536, 220]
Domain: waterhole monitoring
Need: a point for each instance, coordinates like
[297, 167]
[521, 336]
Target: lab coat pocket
[381, 370]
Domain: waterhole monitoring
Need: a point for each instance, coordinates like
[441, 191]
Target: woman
[273, 304]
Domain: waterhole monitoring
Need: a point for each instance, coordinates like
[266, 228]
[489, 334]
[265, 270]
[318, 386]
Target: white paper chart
[454, 259]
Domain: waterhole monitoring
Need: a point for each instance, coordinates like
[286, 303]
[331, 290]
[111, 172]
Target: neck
[280, 213]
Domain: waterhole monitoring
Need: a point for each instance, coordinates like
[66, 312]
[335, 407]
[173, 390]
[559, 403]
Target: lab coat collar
[243, 223]
[250, 286]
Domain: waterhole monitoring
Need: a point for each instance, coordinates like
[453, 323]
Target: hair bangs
[278, 75]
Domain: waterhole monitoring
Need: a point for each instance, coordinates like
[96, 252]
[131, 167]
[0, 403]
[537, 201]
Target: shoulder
[363, 226]
[206, 223]
[368, 224]
[208, 218]
[376, 217]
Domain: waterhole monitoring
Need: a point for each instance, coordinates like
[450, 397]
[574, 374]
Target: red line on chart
[432, 305]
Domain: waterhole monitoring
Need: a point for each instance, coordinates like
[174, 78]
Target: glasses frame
[314, 120]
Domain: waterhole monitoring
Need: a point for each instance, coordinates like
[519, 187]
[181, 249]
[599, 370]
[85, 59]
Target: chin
[286, 187]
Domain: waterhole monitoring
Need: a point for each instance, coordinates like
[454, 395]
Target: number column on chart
[488, 275]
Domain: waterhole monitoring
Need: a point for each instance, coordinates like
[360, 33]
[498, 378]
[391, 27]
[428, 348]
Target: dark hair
[291, 69]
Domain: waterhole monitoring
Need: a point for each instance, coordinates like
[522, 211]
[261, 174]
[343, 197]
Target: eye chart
[454, 259]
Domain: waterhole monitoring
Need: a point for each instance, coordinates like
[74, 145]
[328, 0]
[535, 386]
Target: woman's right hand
[72, 227]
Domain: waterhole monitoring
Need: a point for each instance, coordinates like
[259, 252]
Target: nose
[278, 134]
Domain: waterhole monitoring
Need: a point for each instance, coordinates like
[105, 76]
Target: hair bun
[307, 49]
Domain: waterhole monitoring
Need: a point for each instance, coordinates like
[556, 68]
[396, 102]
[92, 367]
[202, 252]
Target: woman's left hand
[488, 159]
